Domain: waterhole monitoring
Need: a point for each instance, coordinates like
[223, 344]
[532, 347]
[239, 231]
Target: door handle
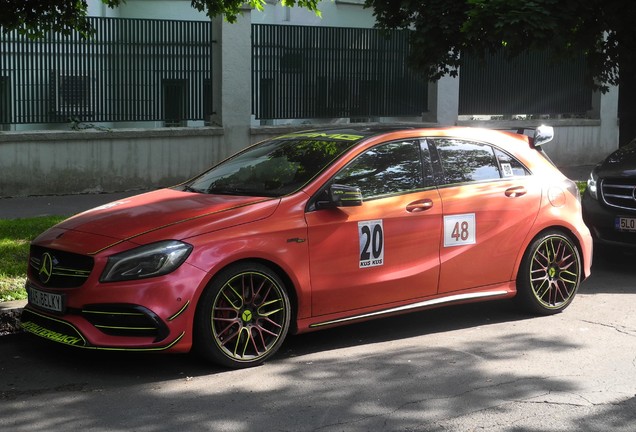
[516, 191]
[418, 206]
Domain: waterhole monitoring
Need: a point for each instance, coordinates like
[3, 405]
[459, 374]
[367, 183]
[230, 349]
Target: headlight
[591, 185]
[151, 260]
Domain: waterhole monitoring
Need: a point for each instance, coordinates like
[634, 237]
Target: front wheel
[243, 316]
[549, 275]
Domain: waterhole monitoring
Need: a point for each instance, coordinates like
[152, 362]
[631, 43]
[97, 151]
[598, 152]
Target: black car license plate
[45, 300]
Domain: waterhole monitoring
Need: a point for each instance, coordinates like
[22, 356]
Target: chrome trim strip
[423, 304]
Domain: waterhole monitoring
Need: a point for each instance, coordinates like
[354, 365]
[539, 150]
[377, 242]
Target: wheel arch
[280, 272]
[570, 234]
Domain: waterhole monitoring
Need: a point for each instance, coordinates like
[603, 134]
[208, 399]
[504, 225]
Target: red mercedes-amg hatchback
[310, 230]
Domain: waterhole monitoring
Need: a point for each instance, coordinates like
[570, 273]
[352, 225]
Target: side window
[464, 161]
[386, 169]
[509, 166]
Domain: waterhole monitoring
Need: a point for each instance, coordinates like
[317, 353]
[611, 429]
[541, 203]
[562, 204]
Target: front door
[386, 250]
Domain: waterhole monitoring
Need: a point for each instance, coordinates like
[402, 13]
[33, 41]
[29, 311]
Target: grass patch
[15, 236]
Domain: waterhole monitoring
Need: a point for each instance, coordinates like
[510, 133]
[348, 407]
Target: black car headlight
[151, 260]
[592, 185]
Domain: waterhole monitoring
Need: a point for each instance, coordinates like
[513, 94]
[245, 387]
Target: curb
[10, 317]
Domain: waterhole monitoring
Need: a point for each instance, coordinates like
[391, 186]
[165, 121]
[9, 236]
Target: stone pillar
[231, 78]
[608, 112]
[443, 101]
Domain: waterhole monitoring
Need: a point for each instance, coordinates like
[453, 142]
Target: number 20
[373, 239]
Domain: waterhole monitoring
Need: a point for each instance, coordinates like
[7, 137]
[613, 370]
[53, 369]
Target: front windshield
[272, 168]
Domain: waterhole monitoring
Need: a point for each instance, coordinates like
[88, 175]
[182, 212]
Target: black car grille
[619, 193]
[57, 269]
[125, 320]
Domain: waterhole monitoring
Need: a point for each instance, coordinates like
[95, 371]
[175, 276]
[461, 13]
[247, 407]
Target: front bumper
[601, 221]
[152, 314]
[64, 331]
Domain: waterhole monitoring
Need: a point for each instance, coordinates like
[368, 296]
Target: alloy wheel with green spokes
[550, 274]
[244, 317]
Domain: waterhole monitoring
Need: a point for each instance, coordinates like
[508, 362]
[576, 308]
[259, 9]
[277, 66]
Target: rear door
[490, 203]
[386, 250]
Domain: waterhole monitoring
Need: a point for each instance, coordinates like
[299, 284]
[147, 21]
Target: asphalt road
[466, 368]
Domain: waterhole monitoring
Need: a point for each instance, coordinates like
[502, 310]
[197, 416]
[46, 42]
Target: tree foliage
[35, 18]
[603, 30]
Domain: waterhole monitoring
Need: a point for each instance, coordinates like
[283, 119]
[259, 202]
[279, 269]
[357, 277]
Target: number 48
[460, 231]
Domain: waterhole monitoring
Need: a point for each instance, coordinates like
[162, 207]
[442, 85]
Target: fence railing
[130, 70]
[534, 83]
[301, 72]
[159, 70]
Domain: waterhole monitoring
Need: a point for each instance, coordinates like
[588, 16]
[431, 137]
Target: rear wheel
[549, 275]
[243, 316]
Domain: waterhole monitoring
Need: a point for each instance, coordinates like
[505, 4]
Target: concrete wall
[53, 162]
[46, 163]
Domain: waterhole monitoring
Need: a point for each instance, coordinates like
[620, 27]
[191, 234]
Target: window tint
[387, 169]
[465, 161]
[510, 167]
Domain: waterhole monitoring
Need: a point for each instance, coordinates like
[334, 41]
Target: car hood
[621, 163]
[183, 214]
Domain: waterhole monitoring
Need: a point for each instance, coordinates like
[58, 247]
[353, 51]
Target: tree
[603, 30]
[37, 17]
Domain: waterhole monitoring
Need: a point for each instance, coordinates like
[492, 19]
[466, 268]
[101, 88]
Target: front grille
[125, 320]
[58, 269]
[619, 193]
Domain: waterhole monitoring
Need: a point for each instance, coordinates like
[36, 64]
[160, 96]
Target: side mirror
[338, 195]
[542, 135]
[345, 196]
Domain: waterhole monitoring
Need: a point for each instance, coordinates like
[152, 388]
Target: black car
[609, 203]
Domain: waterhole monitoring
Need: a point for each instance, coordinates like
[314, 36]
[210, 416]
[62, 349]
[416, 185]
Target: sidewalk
[68, 205]
[56, 205]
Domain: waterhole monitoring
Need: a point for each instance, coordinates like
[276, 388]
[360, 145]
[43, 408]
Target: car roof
[354, 133]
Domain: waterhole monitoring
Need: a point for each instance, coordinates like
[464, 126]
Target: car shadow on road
[613, 271]
[114, 367]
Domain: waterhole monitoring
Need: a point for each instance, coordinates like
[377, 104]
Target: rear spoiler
[542, 135]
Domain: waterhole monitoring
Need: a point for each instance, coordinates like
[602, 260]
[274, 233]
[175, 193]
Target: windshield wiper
[228, 191]
[189, 188]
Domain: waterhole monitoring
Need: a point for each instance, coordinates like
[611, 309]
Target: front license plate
[625, 224]
[45, 300]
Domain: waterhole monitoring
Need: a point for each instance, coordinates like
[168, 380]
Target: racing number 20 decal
[459, 230]
[371, 236]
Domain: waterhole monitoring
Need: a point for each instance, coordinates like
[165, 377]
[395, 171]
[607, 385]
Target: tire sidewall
[526, 298]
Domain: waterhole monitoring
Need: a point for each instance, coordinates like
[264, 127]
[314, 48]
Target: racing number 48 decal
[459, 230]
[371, 236]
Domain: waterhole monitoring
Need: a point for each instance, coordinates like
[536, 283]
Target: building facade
[160, 141]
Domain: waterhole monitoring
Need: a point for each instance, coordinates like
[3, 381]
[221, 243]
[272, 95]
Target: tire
[549, 275]
[243, 316]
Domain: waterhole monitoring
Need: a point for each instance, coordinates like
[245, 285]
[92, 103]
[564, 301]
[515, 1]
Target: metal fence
[532, 83]
[160, 70]
[318, 72]
[130, 70]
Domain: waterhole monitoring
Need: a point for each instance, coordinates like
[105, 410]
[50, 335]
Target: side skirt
[457, 298]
